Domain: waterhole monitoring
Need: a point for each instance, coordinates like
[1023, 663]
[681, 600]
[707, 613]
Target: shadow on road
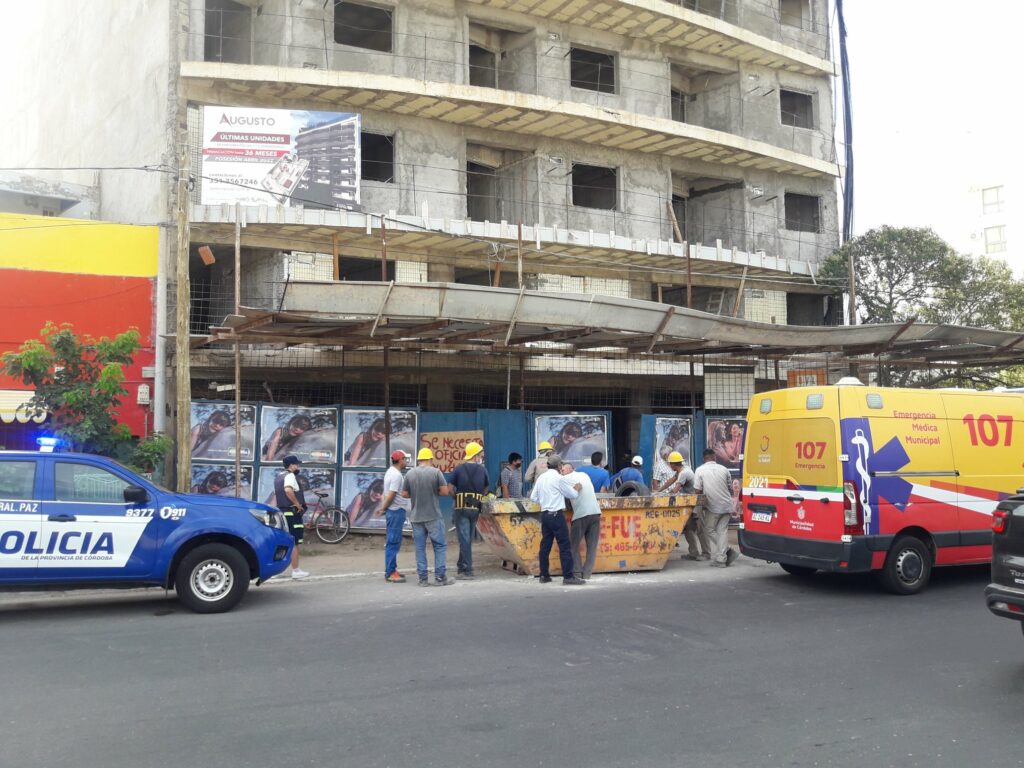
[943, 580]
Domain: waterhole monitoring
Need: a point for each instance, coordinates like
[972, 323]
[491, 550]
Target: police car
[75, 520]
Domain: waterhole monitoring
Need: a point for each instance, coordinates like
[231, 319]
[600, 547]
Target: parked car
[1005, 595]
[73, 520]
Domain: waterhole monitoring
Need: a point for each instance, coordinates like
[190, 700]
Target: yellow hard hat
[472, 449]
[675, 458]
[424, 454]
[545, 446]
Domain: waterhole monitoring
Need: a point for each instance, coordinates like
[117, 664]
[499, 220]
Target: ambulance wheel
[908, 566]
[800, 571]
[212, 578]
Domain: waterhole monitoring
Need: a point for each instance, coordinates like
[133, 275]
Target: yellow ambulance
[852, 478]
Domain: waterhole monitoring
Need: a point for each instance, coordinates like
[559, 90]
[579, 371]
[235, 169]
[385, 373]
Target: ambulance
[73, 520]
[850, 478]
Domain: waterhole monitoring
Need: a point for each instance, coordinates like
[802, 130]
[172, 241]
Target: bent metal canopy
[454, 317]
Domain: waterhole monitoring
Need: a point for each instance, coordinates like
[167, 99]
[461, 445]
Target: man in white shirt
[394, 507]
[714, 483]
[586, 521]
[550, 491]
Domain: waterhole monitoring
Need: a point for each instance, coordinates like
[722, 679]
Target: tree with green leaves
[910, 273]
[79, 382]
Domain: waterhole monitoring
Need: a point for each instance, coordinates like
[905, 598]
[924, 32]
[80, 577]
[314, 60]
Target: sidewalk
[362, 554]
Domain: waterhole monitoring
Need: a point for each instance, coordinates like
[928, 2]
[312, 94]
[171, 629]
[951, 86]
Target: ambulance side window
[82, 482]
[17, 479]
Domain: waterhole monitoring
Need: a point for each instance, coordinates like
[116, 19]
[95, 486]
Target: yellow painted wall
[77, 246]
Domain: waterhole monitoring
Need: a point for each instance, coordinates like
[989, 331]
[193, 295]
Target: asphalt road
[745, 667]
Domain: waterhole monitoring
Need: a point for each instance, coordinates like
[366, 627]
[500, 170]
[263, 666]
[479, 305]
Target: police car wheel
[908, 567]
[212, 578]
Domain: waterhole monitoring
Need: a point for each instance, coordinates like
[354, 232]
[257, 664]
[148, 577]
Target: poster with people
[363, 436]
[310, 434]
[573, 436]
[671, 434]
[219, 480]
[214, 426]
[362, 494]
[312, 480]
[725, 438]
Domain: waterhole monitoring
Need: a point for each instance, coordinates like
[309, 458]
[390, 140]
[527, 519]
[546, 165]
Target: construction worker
[681, 481]
[539, 465]
[469, 485]
[423, 485]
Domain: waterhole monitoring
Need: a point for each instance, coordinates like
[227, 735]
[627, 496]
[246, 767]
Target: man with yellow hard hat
[539, 465]
[469, 485]
[681, 481]
[424, 485]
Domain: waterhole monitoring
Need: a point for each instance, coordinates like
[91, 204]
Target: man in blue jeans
[469, 484]
[423, 486]
[395, 507]
[551, 491]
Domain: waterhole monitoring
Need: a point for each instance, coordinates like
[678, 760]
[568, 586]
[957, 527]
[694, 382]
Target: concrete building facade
[638, 146]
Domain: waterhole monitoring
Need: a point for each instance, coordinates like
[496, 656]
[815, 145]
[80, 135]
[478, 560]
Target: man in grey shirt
[424, 485]
[714, 483]
[586, 521]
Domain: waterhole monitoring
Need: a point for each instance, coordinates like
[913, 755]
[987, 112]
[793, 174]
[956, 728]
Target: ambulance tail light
[853, 515]
[999, 518]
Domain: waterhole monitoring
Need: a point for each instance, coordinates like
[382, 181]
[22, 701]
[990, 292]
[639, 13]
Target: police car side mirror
[134, 494]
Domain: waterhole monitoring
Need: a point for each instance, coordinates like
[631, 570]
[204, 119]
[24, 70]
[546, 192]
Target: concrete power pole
[183, 374]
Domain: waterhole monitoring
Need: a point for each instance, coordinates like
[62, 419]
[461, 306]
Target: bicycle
[330, 523]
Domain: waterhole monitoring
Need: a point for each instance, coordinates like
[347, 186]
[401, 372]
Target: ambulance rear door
[793, 484]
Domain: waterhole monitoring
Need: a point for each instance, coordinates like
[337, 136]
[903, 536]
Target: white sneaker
[298, 573]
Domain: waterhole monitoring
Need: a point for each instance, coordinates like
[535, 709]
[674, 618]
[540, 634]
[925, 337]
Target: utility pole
[183, 374]
[238, 349]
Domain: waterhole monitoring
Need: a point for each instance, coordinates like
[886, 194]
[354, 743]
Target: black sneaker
[545, 579]
[424, 583]
[573, 581]
[443, 582]
[465, 576]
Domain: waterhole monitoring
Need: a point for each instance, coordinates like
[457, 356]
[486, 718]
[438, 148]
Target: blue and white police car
[75, 520]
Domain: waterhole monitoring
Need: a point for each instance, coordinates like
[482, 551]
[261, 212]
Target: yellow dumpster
[638, 533]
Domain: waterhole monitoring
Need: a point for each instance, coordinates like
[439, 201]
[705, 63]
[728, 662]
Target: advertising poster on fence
[280, 157]
[449, 447]
[362, 494]
[219, 480]
[363, 437]
[573, 436]
[312, 480]
[725, 438]
[311, 434]
[213, 431]
[671, 434]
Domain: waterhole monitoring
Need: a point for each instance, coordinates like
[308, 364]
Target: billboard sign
[280, 157]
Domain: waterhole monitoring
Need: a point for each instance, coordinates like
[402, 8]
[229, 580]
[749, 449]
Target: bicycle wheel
[331, 525]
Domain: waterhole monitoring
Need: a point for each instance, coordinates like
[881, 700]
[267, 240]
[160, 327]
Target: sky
[935, 106]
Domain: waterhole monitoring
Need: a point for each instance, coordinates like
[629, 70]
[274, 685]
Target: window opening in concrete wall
[803, 212]
[594, 186]
[483, 67]
[363, 26]
[679, 209]
[795, 13]
[796, 109]
[228, 36]
[592, 70]
[992, 200]
[481, 197]
[678, 105]
[995, 239]
[352, 268]
[378, 157]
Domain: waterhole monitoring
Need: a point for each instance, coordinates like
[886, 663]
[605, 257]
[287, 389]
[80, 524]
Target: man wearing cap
[291, 501]
[630, 474]
[551, 491]
[539, 465]
[469, 485]
[394, 507]
[423, 486]
[681, 481]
